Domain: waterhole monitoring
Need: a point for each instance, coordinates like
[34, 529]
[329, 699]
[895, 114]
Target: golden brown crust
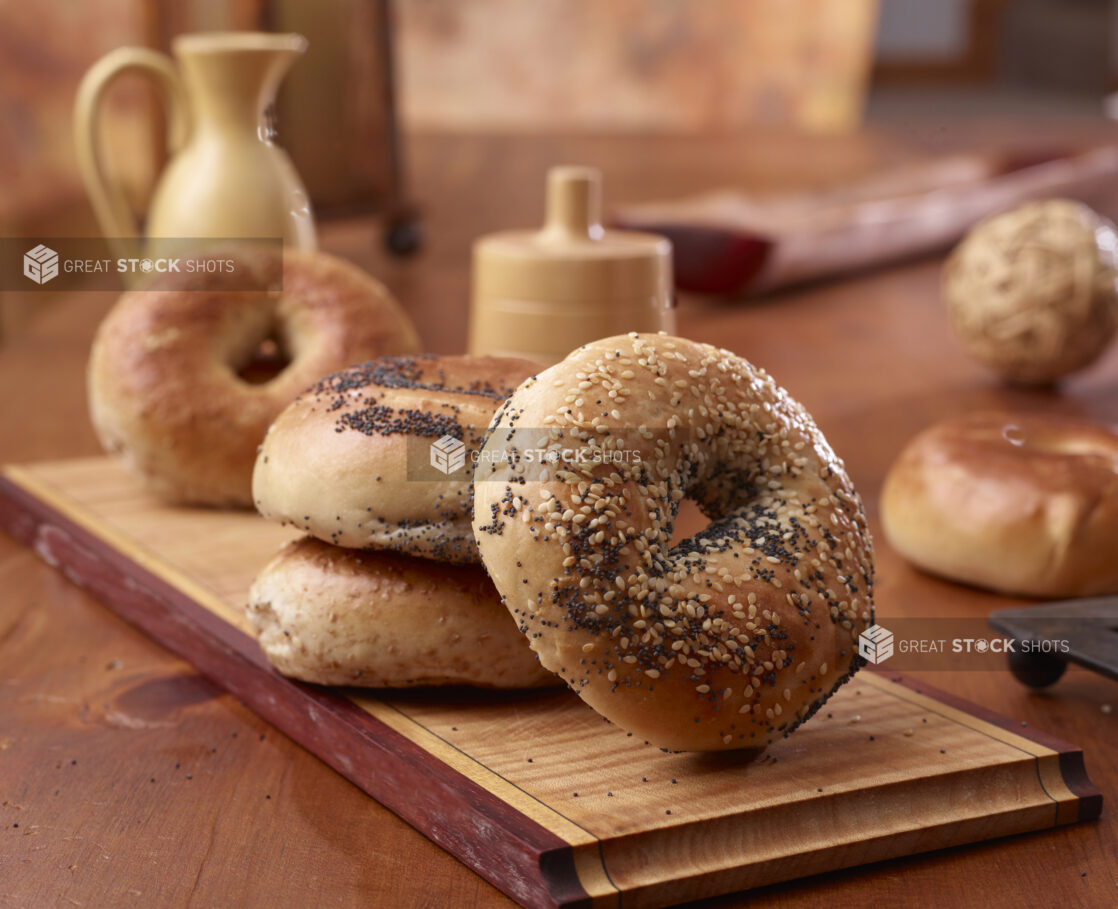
[383, 620]
[164, 392]
[1019, 503]
[729, 639]
[346, 461]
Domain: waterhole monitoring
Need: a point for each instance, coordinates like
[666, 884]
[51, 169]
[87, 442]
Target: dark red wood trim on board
[1072, 768]
[526, 861]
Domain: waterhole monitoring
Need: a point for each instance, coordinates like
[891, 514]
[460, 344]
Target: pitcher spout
[232, 77]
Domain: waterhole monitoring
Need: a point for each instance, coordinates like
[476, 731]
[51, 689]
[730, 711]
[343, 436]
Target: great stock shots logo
[40, 264]
[54, 264]
[875, 644]
[448, 454]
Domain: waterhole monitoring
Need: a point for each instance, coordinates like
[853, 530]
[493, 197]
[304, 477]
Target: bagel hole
[688, 522]
[268, 360]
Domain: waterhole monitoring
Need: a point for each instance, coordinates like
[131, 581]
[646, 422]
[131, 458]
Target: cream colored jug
[226, 177]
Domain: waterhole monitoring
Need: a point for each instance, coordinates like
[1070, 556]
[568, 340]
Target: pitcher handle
[110, 205]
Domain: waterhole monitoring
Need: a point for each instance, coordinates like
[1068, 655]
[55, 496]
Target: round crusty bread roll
[384, 620]
[349, 462]
[1032, 292]
[729, 639]
[165, 392]
[1019, 503]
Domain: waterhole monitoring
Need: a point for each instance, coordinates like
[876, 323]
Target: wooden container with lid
[540, 294]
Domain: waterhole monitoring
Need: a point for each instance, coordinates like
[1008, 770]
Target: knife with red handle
[729, 243]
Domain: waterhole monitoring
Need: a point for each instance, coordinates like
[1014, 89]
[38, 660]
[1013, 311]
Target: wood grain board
[887, 768]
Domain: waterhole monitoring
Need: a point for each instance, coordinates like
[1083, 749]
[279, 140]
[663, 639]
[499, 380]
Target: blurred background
[379, 72]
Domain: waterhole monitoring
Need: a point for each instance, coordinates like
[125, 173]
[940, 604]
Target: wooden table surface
[126, 779]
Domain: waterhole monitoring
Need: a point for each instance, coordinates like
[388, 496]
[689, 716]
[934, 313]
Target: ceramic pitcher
[226, 176]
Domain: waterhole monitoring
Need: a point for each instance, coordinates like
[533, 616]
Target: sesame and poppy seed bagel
[165, 390]
[349, 460]
[384, 620]
[729, 639]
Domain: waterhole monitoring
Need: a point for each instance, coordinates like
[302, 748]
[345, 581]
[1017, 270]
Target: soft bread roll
[348, 461]
[1019, 503]
[729, 639]
[164, 390]
[383, 620]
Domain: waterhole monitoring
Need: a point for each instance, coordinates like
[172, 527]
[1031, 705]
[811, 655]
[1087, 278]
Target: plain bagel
[348, 462]
[731, 638]
[1019, 503]
[383, 620]
[165, 392]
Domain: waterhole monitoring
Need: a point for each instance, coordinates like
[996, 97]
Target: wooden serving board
[534, 791]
